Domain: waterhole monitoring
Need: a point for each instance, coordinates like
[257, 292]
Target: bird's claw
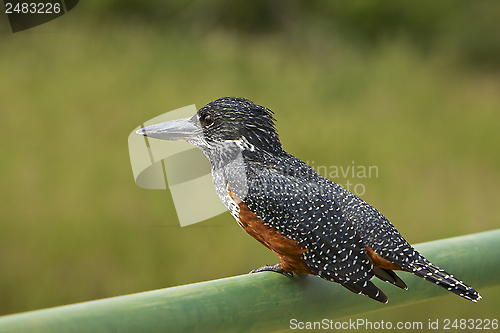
[272, 268]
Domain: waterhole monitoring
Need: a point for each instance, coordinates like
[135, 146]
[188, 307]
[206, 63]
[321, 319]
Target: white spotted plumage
[334, 225]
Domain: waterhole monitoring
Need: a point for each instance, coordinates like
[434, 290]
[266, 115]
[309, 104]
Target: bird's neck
[220, 154]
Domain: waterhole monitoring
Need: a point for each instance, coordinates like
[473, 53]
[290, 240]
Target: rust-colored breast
[289, 251]
[379, 262]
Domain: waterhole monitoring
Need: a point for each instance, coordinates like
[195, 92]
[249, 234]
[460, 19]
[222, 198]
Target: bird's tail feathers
[390, 276]
[434, 274]
[366, 288]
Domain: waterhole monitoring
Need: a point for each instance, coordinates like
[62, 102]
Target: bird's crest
[239, 119]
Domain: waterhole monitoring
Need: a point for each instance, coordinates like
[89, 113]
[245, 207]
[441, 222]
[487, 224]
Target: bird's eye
[207, 120]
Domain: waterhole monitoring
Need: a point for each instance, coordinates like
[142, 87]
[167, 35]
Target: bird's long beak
[181, 129]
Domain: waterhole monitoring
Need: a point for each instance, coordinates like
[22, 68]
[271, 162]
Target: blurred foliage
[389, 90]
[472, 27]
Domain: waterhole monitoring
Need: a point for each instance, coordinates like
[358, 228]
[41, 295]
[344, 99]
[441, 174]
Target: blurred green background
[412, 88]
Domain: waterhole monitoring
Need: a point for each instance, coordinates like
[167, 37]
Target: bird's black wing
[303, 211]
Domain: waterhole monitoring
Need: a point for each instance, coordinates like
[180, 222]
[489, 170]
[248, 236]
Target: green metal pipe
[262, 302]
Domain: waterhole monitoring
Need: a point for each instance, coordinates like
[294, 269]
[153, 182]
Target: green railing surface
[262, 302]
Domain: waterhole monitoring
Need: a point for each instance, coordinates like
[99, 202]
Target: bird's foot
[273, 268]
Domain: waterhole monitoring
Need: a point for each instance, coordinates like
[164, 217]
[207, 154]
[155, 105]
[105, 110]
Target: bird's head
[227, 123]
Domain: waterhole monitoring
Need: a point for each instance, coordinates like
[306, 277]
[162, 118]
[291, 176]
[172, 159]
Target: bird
[311, 223]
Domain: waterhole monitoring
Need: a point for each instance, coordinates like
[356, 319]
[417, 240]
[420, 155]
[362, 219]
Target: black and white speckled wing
[302, 211]
[379, 233]
[376, 231]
